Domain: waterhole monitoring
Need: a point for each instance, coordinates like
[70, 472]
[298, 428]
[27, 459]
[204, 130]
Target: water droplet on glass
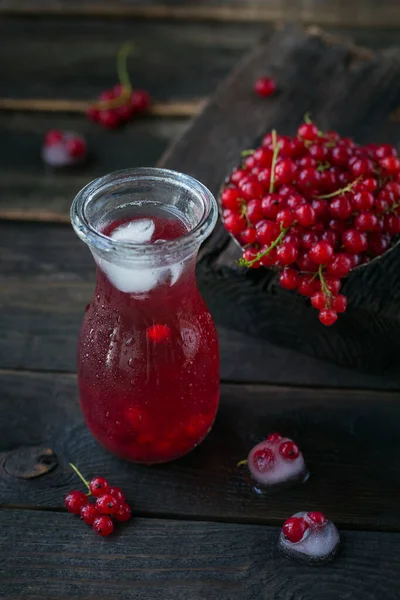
[128, 342]
[130, 362]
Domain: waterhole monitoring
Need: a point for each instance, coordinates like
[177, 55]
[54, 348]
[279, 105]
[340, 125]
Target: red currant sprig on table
[110, 503]
[121, 103]
[314, 207]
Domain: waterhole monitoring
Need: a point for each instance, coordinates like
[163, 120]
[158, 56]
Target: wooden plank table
[199, 532]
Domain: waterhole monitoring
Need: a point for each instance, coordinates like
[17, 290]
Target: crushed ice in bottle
[309, 537]
[137, 281]
[277, 461]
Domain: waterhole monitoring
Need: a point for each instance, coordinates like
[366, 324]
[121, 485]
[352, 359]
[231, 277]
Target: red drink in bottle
[148, 364]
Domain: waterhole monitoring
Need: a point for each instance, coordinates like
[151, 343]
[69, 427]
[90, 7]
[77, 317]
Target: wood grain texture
[349, 440]
[349, 90]
[30, 190]
[46, 280]
[76, 59]
[358, 12]
[177, 560]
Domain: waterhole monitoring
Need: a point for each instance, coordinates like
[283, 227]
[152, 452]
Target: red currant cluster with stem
[121, 103]
[109, 504]
[314, 206]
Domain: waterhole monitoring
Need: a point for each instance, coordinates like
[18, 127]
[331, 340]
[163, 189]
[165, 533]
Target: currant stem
[81, 477]
[325, 290]
[275, 147]
[124, 79]
[241, 463]
[347, 188]
[248, 152]
[275, 243]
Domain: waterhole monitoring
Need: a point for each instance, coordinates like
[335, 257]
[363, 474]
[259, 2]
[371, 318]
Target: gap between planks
[251, 14]
[158, 109]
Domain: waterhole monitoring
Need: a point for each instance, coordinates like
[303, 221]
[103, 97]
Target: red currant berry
[294, 201]
[250, 162]
[93, 114]
[305, 215]
[270, 205]
[285, 171]
[392, 224]
[308, 179]
[263, 459]
[263, 156]
[339, 156]
[250, 256]
[331, 237]
[285, 218]
[289, 279]
[381, 205]
[340, 208]
[264, 177]
[362, 166]
[107, 95]
[269, 259]
[230, 198]
[294, 529]
[98, 486]
[327, 317]
[109, 119]
[363, 200]
[369, 184]
[307, 286]
[318, 152]
[237, 175]
[339, 303]
[234, 223]
[140, 100]
[265, 86]
[248, 235]
[117, 493]
[321, 207]
[340, 265]
[321, 253]
[88, 513]
[305, 263]
[394, 188]
[337, 226]
[74, 501]
[123, 513]
[274, 437]
[158, 333]
[54, 136]
[390, 165]
[286, 254]
[309, 239]
[366, 221]
[378, 243]
[333, 284]
[254, 211]
[107, 504]
[267, 232]
[384, 150]
[316, 519]
[307, 162]
[308, 132]
[319, 300]
[125, 112]
[354, 241]
[103, 525]
[289, 450]
[251, 188]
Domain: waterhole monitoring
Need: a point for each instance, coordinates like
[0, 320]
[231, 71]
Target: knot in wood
[30, 462]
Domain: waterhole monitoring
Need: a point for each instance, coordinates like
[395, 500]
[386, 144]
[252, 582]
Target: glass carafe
[148, 361]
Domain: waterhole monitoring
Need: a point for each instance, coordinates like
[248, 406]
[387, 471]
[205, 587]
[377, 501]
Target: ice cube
[139, 231]
[319, 542]
[277, 461]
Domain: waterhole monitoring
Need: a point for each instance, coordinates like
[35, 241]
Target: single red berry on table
[263, 459]
[294, 529]
[98, 486]
[107, 504]
[158, 333]
[89, 513]
[265, 86]
[328, 316]
[289, 450]
[76, 147]
[103, 525]
[74, 501]
[123, 513]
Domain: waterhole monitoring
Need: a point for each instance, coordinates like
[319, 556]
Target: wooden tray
[346, 88]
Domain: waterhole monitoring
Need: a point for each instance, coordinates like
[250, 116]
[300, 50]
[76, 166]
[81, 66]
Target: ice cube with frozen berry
[309, 537]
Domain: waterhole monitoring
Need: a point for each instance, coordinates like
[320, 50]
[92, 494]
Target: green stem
[347, 188]
[325, 290]
[241, 463]
[248, 152]
[267, 251]
[124, 79]
[275, 147]
[81, 477]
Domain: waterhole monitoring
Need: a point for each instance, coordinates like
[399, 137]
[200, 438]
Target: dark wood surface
[199, 532]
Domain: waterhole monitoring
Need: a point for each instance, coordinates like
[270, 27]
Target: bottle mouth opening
[108, 198]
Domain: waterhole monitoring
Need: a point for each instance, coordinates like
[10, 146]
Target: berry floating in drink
[309, 537]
